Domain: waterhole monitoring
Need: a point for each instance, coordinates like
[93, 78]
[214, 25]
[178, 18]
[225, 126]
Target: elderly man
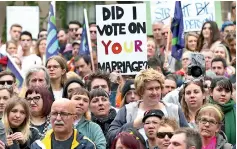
[63, 136]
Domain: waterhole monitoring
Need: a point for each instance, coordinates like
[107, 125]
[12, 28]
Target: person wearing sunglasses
[151, 122]
[209, 121]
[40, 102]
[8, 79]
[165, 131]
[93, 29]
[42, 34]
[73, 27]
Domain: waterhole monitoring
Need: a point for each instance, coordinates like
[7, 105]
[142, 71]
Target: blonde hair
[24, 128]
[170, 122]
[186, 39]
[145, 76]
[226, 52]
[213, 107]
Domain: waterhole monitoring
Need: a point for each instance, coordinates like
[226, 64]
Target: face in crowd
[5, 95]
[15, 33]
[36, 103]
[151, 125]
[157, 30]
[192, 43]
[82, 67]
[131, 96]
[43, 34]
[93, 32]
[26, 42]
[219, 51]
[37, 79]
[206, 31]
[11, 48]
[100, 106]
[208, 58]
[73, 28]
[62, 37]
[164, 134]
[81, 102]
[151, 48]
[169, 85]
[55, 70]
[218, 68]
[42, 46]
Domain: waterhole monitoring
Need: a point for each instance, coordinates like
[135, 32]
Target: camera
[197, 66]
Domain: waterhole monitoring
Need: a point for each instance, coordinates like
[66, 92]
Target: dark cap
[129, 85]
[149, 113]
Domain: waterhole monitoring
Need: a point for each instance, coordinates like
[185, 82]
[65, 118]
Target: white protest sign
[195, 13]
[26, 16]
[121, 37]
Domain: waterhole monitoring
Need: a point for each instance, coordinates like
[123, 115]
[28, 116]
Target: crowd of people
[64, 103]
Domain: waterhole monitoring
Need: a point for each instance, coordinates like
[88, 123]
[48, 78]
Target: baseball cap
[149, 113]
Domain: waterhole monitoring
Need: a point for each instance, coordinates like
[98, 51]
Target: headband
[215, 109]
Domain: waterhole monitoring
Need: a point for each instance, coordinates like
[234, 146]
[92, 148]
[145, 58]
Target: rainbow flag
[52, 40]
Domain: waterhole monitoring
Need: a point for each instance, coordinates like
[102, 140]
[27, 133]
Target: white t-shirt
[58, 94]
[29, 61]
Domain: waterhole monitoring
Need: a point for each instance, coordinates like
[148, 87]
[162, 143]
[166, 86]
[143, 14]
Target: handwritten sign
[121, 37]
[195, 13]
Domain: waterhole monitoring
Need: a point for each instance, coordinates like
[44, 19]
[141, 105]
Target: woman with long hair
[80, 98]
[191, 41]
[209, 121]
[221, 91]
[40, 102]
[193, 98]
[16, 120]
[57, 68]
[40, 49]
[6, 94]
[209, 36]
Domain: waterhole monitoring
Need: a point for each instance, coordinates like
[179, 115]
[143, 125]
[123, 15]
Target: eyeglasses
[63, 115]
[73, 29]
[44, 35]
[34, 99]
[9, 82]
[93, 32]
[53, 66]
[161, 135]
[204, 121]
[78, 35]
[233, 7]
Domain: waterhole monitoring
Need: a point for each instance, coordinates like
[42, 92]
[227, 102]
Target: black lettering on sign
[124, 66]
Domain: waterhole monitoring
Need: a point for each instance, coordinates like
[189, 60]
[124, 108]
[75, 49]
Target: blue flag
[84, 46]
[52, 41]
[177, 29]
[16, 71]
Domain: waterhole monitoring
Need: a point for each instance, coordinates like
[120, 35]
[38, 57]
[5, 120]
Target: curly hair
[145, 76]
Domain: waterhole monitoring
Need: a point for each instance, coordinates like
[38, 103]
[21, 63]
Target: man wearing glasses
[73, 27]
[8, 78]
[63, 135]
[92, 28]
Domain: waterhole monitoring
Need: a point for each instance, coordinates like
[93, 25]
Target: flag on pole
[52, 41]
[84, 46]
[177, 29]
[12, 67]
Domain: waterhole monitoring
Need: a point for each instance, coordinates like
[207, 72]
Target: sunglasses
[93, 32]
[73, 29]
[161, 135]
[41, 36]
[77, 35]
[233, 7]
[9, 82]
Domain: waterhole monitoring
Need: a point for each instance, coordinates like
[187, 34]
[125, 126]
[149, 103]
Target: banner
[27, 16]
[121, 37]
[195, 13]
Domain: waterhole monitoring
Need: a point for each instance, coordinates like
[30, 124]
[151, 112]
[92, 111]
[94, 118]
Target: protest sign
[121, 37]
[195, 13]
[26, 16]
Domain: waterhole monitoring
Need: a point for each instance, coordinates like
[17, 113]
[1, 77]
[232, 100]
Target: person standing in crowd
[191, 41]
[40, 49]
[102, 112]
[16, 119]
[63, 42]
[11, 47]
[8, 79]
[42, 34]
[62, 134]
[15, 32]
[221, 90]
[93, 34]
[148, 84]
[230, 40]
[151, 122]
[125, 140]
[73, 26]
[165, 131]
[218, 65]
[227, 27]
[193, 97]
[209, 120]
[79, 33]
[157, 33]
[151, 47]
[185, 138]
[170, 84]
[83, 66]
[221, 50]
[70, 85]
[209, 36]
[6, 93]
[75, 51]
[40, 102]
[28, 59]
[129, 93]
[57, 68]
[208, 55]
[81, 100]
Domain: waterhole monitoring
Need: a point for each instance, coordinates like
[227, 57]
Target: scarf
[229, 120]
[104, 122]
[211, 145]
